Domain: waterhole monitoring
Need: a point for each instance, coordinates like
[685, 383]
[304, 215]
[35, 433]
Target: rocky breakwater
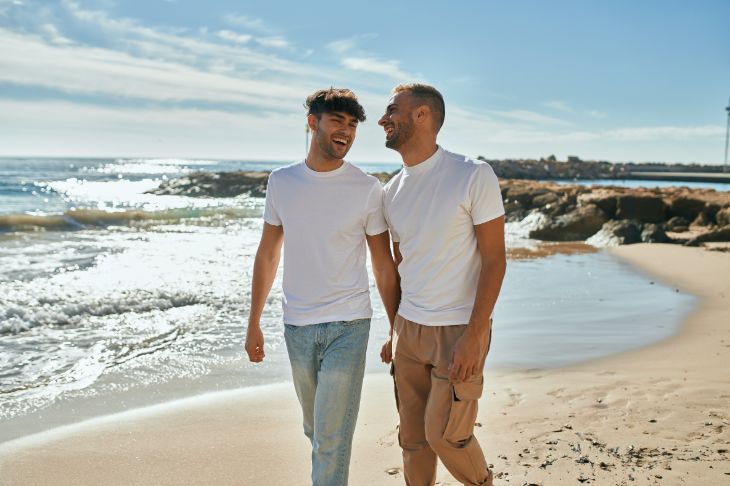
[576, 169]
[215, 184]
[600, 215]
[608, 215]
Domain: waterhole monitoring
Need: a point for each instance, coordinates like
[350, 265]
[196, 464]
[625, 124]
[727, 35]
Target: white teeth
[340, 140]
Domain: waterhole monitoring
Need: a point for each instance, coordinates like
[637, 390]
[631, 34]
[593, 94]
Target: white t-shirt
[431, 209]
[325, 216]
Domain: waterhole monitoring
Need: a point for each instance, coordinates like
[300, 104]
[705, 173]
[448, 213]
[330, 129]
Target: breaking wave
[79, 219]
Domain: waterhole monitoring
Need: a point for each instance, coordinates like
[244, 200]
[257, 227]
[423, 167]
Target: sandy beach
[656, 415]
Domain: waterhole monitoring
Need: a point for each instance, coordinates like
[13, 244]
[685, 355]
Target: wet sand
[656, 415]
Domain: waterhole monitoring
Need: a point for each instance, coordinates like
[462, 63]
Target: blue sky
[620, 80]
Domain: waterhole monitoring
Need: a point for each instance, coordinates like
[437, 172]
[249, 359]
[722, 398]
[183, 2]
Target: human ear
[312, 122]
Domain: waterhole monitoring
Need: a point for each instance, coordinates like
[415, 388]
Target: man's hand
[466, 357]
[386, 352]
[255, 343]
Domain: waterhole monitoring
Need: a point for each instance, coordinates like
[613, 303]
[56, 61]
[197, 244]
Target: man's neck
[322, 164]
[418, 153]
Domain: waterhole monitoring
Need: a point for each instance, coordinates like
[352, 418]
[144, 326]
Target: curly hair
[334, 100]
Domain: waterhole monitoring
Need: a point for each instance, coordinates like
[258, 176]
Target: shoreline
[630, 415]
[580, 277]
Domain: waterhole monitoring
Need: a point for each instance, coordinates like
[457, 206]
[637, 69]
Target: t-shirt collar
[329, 173]
[426, 165]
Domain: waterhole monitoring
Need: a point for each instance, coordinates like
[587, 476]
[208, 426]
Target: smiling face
[398, 121]
[334, 133]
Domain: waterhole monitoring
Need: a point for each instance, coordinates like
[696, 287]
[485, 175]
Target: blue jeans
[328, 364]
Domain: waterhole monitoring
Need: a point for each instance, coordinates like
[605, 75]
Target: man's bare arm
[264, 273]
[386, 278]
[472, 345]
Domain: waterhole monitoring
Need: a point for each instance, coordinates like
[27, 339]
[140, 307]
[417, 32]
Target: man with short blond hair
[446, 219]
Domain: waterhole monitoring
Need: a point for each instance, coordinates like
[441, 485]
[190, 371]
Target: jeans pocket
[463, 414]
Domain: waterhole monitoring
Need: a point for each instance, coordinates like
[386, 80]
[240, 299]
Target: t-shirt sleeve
[485, 197]
[271, 216]
[393, 234]
[374, 218]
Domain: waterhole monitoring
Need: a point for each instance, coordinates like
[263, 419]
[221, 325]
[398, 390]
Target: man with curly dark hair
[325, 211]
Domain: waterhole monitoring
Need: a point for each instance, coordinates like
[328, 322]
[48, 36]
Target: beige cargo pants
[436, 416]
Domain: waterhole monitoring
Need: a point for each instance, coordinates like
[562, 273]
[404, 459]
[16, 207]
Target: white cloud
[341, 46]
[558, 105]
[53, 128]
[94, 71]
[54, 35]
[252, 97]
[565, 107]
[529, 117]
[371, 65]
[181, 46]
[234, 37]
[65, 128]
[246, 22]
[665, 133]
[276, 42]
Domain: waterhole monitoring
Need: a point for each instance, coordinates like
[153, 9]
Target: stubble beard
[324, 145]
[403, 132]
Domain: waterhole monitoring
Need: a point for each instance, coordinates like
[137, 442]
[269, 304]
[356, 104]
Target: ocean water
[633, 184]
[111, 298]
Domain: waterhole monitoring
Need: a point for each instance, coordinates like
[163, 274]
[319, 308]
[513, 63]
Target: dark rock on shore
[215, 184]
[715, 235]
[617, 232]
[645, 208]
[578, 224]
[654, 233]
[723, 217]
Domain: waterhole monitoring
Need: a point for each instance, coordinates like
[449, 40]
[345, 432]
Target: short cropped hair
[426, 95]
[334, 100]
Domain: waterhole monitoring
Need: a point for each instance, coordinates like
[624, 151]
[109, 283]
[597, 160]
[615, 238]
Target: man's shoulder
[463, 161]
[393, 182]
[286, 170]
[358, 174]
[467, 166]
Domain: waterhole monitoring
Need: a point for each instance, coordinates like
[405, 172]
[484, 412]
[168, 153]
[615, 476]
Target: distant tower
[727, 134]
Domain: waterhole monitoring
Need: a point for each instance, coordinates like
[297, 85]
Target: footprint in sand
[389, 439]
[515, 398]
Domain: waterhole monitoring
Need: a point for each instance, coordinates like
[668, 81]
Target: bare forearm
[488, 288]
[389, 290]
[264, 273]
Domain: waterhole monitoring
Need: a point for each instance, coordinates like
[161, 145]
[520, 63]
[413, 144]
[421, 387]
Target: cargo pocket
[463, 414]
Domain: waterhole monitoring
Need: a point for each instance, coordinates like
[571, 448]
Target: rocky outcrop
[215, 184]
[607, 215]
[578, 224]
[723, 217]
[714, 235]
[602, 215]
[642, 208]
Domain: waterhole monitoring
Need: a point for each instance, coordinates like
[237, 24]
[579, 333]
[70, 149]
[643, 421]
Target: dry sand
[657, 415]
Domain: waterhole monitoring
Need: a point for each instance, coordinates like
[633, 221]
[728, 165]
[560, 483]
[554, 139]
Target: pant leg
[303, 349]
[337, 400]
[451, 413]
[412, 375]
